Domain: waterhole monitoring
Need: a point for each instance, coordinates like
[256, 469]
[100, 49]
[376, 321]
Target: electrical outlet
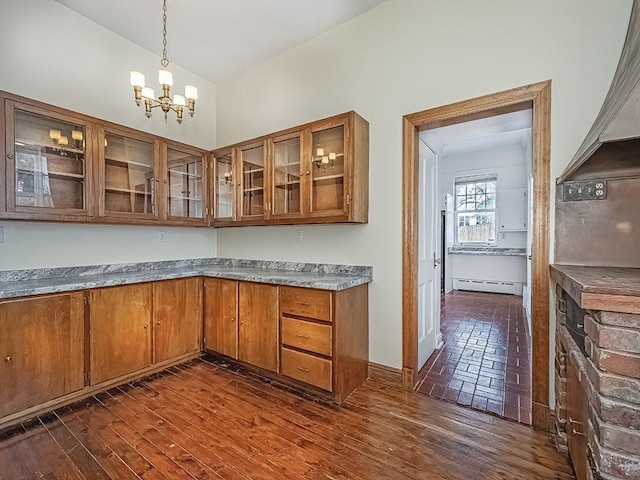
[584, 190]
[300, 235]
[162, 237]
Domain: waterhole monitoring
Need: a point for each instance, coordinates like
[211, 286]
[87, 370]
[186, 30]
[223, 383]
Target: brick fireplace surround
[597, 411]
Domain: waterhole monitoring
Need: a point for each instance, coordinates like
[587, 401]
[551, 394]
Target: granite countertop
[600, 288]
[20, 283]
[485, 250]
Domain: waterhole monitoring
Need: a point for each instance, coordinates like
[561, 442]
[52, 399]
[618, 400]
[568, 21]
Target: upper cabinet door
[129, 182]
[328, 186]
[286, 174]
[253, 181]
[48, 163]
[185, 185]
[224, 183]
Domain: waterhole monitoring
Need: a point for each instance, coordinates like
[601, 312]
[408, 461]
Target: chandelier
[165, 78]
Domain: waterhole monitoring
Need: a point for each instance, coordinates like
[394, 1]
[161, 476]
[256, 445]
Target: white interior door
[428, 255]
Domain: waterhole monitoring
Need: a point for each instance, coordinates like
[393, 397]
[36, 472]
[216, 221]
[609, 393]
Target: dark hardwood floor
[206, 419]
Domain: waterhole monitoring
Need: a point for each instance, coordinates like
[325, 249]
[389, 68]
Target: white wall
[405, 56]
[50, 53]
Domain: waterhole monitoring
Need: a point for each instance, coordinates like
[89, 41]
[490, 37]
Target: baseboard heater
[491, 286]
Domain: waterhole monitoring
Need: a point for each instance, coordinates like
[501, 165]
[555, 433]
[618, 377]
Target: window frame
[466, 180]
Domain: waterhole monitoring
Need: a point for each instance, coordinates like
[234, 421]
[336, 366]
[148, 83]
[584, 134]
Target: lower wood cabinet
[325, 337]
[177, 318]
[241, 321]
[120, 333]
[258, 329]
[319, 339]
[221, 316]
[42, 350]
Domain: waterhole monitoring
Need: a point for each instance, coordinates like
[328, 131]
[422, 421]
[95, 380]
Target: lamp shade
[319, 152]
[165, 77]
[136, 79]
[76, 134]
[63, 140]
[54, 134]
[191, 92]
[147, 92]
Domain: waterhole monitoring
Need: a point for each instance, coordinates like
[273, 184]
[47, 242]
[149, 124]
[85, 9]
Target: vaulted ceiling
[217, 38]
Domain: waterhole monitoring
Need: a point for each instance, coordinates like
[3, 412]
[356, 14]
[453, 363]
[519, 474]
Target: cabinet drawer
[306, 335]
[307, 368]
[306, 302]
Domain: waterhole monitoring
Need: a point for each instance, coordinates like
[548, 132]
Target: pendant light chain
[165, 61]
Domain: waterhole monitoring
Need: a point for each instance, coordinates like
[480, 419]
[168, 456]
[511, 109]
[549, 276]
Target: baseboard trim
[385, 374]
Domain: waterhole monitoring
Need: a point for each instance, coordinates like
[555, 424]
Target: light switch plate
[1, 234]
[584, 190]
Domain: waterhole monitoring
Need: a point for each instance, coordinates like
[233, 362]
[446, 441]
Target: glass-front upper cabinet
[185, 186]
[253, 192]
[224, 185]
[49, 162]
[129, 182]
[287, 173]
[328, 168]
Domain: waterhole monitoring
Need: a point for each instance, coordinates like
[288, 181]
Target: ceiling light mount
[146, 95]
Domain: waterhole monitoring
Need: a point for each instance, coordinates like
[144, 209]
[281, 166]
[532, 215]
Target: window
[476, 210]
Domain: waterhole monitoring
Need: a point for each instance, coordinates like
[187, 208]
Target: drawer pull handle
[302, 369]
[302, 335]
[304, 304]
[8, 359]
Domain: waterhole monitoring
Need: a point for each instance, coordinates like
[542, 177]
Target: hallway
[485, 361]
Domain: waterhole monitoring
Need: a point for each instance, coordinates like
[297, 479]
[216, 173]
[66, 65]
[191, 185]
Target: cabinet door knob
[9, 156]
[8, 359]
[307, 172]
[158, 180]
[159, 322]
[233, 319]
[165, 180]
[241, 322]
[146, 325]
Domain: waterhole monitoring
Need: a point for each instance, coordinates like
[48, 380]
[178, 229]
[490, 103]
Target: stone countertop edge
[509, 252]
[320, 276]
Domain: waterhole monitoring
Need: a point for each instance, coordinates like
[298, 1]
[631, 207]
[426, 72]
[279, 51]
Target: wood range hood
[611, 149]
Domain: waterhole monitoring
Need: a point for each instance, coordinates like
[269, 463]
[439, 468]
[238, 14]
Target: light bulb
[54, 134]
[325, 159]
[136, 79]
[332, 156]
[63, 140]
[319, 152]
[76, 135]
[165, 77]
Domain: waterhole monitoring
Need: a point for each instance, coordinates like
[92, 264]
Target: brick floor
[485, 361]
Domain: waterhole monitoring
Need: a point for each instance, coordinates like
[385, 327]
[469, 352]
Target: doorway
[483, 169]
[537, 97]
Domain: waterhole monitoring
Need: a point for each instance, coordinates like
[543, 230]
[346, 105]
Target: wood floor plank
[207, 420]
[76, 451]
[100, 427]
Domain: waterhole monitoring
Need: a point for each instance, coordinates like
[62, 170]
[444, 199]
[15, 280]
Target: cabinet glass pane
[286, 176]
[327, 176]
[49, 162]
[185, 184]
[129, 175]
[224, 185]
[252, 161]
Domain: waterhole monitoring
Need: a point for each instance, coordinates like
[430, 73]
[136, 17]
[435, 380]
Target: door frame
[538, 97]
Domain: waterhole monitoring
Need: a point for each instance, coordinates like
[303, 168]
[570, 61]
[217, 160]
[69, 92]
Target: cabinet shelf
[186, 174]
[254, 170]
[123, 163]
[126, 190]
[193, 199]
[253, 189]
[290, 184]
[54, 174]
[286, 169]
[328, 177]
